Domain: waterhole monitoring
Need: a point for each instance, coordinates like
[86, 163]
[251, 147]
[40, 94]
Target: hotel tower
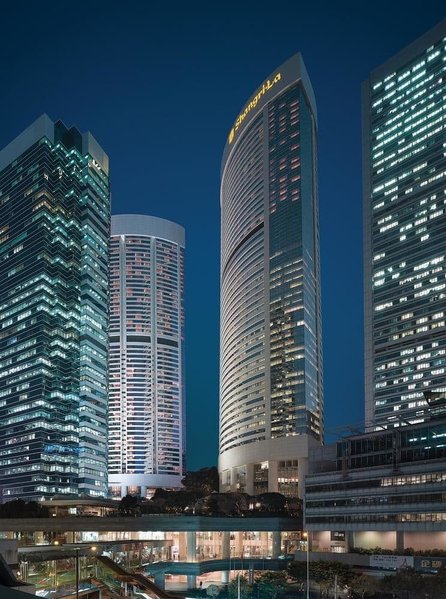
[271, 398]
[54, 237]
[404, 121]
[146, 399]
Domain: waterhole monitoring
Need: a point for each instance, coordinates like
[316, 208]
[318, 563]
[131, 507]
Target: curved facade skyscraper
[271, 398]
[146, 390]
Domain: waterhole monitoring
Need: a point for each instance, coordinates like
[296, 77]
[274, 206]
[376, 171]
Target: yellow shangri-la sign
[252, 104]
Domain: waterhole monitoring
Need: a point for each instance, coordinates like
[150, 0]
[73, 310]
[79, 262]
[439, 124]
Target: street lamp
[306, 535]
[76, 558]
[76, 550]
[55, 566]
[94, 549]
[76, 554]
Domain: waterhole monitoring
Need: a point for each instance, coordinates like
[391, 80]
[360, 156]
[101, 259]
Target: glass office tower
[404, 120]
[146, 397]
[54, 233]
[271, 399]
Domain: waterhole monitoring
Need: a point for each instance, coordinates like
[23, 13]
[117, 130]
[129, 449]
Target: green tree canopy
[202, 481]
[324, 573]
[435, 586]
[405, 581]
[297, 570]
[364, 585]
[22, 509]
[128, 506]
[245, 588]
[213, 590]
[271, 584]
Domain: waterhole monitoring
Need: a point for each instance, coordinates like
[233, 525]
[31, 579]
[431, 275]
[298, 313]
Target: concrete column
[273, 472]
[349, 541]
[159, 580]
[182, 551]
[24, 570]
[276, 544]
[233, 479]
[226, 545]
[302, 471]
[250, 479]
[123, 490]
[191, 546]
[399, 540]
[143, 492]
[238, 551]
[225, 554]
[191, 582]
[264, 544]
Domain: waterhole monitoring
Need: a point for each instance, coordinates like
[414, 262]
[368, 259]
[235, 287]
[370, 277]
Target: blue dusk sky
[159, 85]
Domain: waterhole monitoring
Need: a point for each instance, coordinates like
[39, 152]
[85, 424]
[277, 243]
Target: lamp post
[76, 555]
[24, 571]
[55, 567]
[76, 566]
[307, 536]
[94, 549]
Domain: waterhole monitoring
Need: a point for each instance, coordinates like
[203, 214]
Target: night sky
[159, 85]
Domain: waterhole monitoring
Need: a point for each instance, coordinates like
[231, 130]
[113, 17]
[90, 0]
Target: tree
[324, 574]
[295, 506]
[344, 572]
[227, 504]
[272, 503]
[297, 570]
[405, 582]
[128, 505]
[245, 588]
[271, 584]
[435, 586]
[178, 501]
[22, 509]
[364, 585]
[213, 590]
[203, 481]
[160, 494]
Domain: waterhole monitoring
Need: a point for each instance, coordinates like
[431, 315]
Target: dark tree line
[23, 509]
[404, 584]
[200, 497]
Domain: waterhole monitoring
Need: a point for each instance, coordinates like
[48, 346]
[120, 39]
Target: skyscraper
[404, 121]
[54, 234]
[271, 398]
[146, 399]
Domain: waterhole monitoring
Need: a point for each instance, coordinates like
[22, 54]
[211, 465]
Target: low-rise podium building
[383, 489]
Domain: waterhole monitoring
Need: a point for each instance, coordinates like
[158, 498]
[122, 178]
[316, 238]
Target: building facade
[380, 489]
[146, 395]
[177, 550]
[271, 398]
[404, 120]
[54, 223]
